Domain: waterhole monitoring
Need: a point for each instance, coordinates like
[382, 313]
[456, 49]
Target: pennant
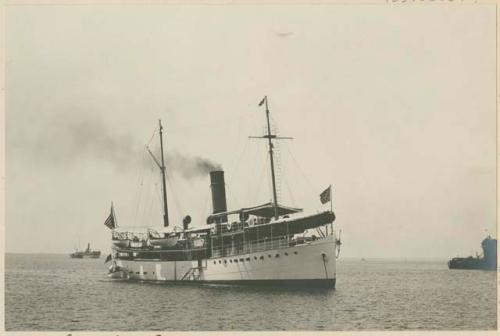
[263, 100]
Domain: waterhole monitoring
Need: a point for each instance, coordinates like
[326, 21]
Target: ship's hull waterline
[312, 264]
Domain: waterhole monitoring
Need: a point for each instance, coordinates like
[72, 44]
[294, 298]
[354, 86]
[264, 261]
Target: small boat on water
[88, 253]
[486, 262]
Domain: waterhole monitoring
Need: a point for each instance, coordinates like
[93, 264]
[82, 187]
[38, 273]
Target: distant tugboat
[88, 253]
[487, 262]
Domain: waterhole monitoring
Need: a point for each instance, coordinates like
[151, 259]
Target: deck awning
[265, 210]
[290, 226]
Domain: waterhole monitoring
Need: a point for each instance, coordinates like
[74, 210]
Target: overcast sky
[393, 106]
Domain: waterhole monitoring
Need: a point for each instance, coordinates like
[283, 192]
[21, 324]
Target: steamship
[267, 244]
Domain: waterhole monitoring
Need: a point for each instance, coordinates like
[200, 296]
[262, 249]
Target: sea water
[56, 293]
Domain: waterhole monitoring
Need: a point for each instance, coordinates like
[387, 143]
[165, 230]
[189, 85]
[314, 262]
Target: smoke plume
[69, 141]
[190, 167]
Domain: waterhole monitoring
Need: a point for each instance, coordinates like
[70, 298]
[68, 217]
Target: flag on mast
[326, 195]
[111, 220]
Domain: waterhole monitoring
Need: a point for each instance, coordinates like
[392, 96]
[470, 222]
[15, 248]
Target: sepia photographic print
[249, 166]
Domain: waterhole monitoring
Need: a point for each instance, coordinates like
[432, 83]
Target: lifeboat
[168, 241]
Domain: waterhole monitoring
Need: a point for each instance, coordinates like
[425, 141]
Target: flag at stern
[111, 220]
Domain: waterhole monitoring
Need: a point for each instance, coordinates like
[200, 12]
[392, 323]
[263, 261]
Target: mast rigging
[269, 137]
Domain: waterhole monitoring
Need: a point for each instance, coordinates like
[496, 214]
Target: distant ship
[267, 244]
[88, 253]
[487, 262]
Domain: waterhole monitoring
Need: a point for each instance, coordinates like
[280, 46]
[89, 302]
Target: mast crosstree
[269, 136]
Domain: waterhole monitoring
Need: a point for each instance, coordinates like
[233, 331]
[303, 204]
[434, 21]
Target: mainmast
[271, 157]
[269, 137]
[165, 207]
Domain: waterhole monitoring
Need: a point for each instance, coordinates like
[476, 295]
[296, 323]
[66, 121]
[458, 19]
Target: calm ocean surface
[54, 292]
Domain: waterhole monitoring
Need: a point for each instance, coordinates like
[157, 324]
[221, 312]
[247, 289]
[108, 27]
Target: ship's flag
[108, 258]
[111, 221]
[263, 100]
[326, 195]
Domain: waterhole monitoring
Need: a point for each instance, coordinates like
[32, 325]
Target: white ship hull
[310, 263]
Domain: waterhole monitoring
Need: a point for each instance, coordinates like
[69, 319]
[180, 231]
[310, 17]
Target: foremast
[161, 165]
[165, 206]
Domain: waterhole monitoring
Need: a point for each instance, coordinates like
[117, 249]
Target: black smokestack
[218, 194]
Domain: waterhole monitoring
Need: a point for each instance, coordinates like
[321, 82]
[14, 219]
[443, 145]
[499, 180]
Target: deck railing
[253, 246]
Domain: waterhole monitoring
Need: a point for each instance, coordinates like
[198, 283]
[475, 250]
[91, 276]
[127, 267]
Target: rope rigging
[309, 184]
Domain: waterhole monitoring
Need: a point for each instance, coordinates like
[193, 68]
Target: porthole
[231, 261]
[145, 273]
[220, 261]
[235, 260]
[269, 255]
[248, 259]
[242, 260]
[225, 261]
[277, 255]
[295, 252]
[153, 273]
[261, 257]
[286, 253]
[255, 258]
[136, 272]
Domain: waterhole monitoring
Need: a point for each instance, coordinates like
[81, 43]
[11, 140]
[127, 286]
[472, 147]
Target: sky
[392, 106]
